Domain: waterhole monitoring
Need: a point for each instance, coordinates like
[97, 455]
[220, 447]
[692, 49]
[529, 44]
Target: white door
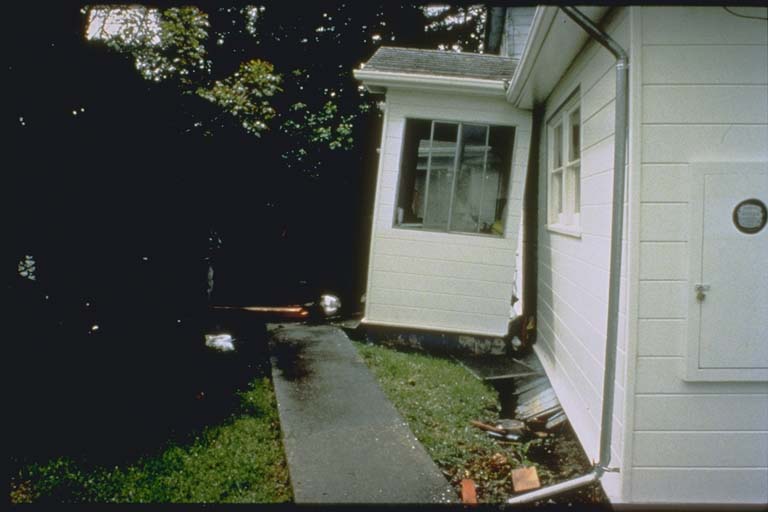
[729, 273]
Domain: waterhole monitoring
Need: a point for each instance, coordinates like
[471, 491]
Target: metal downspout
[614, 285]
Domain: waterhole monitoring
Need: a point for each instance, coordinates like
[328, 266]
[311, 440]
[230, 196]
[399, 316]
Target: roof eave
[544, 60]
[379, 81]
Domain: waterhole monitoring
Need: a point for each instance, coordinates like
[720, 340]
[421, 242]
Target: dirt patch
[559, 458]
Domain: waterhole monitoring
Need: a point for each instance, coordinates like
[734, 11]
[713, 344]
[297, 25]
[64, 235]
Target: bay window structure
[564, 166]
[454, 177]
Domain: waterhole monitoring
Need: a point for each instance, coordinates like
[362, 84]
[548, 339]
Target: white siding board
[701, 412]
[705, 65]
[661, 299]
[387, 195]
[438, 320]
[561, 293]
[705, 104]
[671, 25]
[568, 328]
[665, 183]
[396, 128]
[699, 485]
[599, 126]
[446, 285]
[459, 270]
[449, 239]
[694, 449]
[438, 301]
[600, 95]
[662, 376]
[596, 220]
[392, 147]
[597, 158]
[597, 189]
[594, 281]
[663, 260]
[438, 251]
[390, 163]
[388, 179]
[661, 337]
[687, 143]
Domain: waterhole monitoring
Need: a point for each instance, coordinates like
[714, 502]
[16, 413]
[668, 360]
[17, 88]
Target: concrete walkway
[344, 440]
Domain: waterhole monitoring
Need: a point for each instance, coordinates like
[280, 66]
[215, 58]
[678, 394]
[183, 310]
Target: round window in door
[750, 216]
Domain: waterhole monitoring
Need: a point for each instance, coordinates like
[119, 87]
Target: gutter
[614, 284]
[382, 79]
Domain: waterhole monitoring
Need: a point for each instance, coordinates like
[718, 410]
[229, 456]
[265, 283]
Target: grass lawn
[438, 398]
[240, 460]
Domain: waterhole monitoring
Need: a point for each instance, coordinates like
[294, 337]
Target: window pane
[493, 209]
[574, 151]
[558, 146]
[442, 156]
[575, 172]
[445, 132]
[413, 173]
[438, 198]
[556, 193]
[465, 212]
[433, 194]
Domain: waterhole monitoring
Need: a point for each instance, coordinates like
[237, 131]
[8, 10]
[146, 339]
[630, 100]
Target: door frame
[693, 372]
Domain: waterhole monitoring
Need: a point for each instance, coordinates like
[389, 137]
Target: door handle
[701, 291]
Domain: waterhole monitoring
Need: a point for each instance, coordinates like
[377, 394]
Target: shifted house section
[449, 191]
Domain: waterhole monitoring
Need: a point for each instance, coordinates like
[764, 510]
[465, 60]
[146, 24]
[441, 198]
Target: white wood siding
[573, 271]
[443, 281]
[517, 26]
[704, 98]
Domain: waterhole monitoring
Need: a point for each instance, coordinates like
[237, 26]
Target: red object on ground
[468, 493]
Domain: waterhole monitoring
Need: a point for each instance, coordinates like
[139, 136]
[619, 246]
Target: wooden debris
[516, 427]
[489, 428]
[525, 479]
[537, 402]
[556, 420]
[468, 491]
[490, 368]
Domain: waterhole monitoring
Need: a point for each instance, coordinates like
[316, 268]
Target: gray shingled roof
[441, 63]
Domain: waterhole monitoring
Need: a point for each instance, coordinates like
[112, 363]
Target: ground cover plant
[438, 398]
[239, 460]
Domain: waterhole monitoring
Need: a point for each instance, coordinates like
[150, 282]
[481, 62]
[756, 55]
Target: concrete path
[344, 440]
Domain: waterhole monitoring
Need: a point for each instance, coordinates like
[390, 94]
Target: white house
[688, 412]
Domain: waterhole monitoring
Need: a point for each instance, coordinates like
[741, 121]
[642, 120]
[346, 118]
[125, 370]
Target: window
[454, 177]
[564, 166]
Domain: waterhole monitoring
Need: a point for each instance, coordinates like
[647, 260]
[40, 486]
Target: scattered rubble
[525, 479]
[468, 492]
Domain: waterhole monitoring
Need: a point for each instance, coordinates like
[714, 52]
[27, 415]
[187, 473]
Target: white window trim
[568, 220]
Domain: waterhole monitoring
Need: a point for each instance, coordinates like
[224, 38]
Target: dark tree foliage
[115, 176]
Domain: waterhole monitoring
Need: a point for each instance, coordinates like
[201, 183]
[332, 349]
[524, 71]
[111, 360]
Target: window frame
[460, 124]
[564, 168]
